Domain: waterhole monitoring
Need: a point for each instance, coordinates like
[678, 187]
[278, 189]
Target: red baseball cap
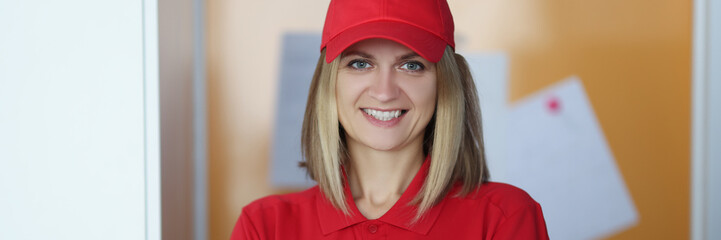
[424, 26]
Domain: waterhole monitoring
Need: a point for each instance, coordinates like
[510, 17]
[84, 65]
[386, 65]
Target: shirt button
[372, 228]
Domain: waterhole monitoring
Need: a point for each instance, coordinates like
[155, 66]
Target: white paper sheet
[557, 153]
[298, 59]
[490, 73]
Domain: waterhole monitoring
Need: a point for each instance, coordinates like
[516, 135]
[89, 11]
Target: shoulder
[261, 218]
[505, 197]
[282, 202]
[501, 211]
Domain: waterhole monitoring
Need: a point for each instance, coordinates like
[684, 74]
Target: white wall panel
[74, 121]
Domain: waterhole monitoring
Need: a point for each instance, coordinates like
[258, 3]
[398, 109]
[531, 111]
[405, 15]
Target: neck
[378, 178]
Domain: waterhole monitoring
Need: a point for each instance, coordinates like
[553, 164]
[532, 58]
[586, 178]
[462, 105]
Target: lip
[384, 124]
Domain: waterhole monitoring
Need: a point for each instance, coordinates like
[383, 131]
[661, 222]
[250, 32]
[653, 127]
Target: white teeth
[383, 115]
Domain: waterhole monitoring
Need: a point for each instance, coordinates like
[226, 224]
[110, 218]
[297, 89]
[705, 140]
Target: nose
[384, 88]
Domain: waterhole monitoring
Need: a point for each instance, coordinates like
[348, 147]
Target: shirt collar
[400, 215]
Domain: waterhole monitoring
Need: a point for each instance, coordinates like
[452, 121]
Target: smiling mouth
[384, 115]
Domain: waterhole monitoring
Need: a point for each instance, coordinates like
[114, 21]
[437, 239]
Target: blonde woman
[392, 135]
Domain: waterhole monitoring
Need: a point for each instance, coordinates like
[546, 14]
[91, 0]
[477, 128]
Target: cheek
[423, 95]
[347, 92]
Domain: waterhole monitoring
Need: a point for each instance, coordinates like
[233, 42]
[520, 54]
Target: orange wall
[633, 57]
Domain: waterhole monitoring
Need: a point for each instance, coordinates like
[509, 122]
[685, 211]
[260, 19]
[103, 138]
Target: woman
[392, 134]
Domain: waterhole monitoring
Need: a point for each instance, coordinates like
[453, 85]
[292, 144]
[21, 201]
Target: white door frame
[706, 121]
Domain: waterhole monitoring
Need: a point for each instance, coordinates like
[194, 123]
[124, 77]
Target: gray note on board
[300, 52]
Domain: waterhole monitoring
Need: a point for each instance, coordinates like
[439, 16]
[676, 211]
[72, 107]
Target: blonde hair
[453, 137]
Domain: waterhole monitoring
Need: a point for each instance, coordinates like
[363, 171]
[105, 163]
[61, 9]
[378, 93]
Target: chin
[384, 144]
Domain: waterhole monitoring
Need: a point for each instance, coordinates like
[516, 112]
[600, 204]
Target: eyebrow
[408, 56]
[365, 55]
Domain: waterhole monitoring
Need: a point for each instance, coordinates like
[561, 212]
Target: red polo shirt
[495, 211]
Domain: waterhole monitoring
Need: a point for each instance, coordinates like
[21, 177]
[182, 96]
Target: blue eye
[359, 64]
[413, 66]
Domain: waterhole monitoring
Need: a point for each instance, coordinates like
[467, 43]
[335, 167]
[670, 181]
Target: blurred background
[159, 119]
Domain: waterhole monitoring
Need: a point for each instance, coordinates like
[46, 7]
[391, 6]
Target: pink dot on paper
[554, 105]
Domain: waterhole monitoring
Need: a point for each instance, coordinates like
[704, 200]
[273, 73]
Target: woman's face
[386, 94]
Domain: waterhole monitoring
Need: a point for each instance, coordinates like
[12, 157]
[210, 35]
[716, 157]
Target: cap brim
[426, 44]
